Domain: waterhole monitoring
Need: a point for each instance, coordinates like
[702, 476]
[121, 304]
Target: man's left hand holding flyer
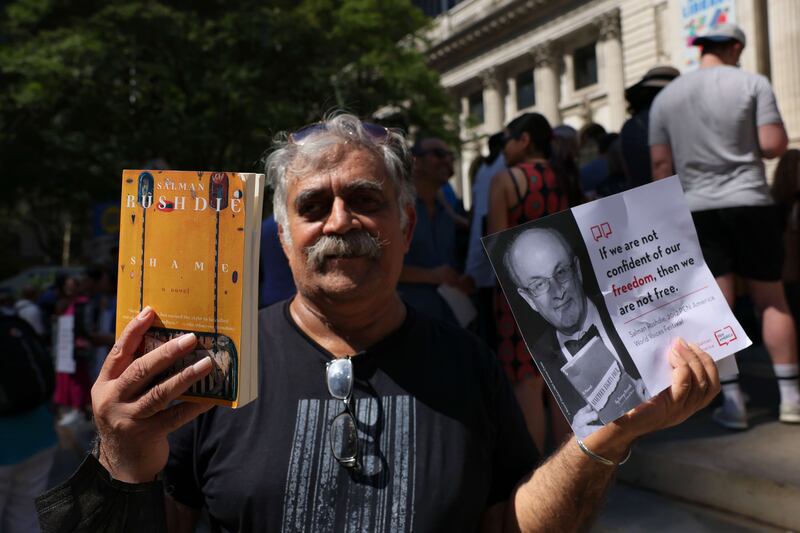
[600, 293]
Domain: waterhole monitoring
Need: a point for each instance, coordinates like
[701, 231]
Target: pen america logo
[725, 335]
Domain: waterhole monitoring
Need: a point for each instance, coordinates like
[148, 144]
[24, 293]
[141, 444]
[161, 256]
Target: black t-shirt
[441, 437]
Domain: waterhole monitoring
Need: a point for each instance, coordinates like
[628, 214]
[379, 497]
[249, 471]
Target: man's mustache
[356, 243]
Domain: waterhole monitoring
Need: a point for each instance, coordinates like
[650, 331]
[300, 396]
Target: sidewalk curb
[764, 500]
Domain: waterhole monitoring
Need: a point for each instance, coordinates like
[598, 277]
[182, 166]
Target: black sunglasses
[343, 431]
[376, 131]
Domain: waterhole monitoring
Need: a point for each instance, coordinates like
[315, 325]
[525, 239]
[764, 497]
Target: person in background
[589, 142]
[596, 177]
[72, 394]
[27, 309]
[564, 157]
[786, 192]
[274, 276]
[478, 266]
[634, 134]
[28, 440]
[101, 314]
[431, 259]
[527, 190]
[6, 301]
[715, 126]
[615, 181]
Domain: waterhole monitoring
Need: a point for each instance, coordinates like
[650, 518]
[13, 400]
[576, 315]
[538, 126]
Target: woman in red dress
[534, 185]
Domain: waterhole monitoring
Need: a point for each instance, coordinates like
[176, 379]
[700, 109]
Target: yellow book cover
[182, 251]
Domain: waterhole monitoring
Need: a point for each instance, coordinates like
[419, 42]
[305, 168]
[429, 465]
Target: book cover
[188, 248]
[599, 379]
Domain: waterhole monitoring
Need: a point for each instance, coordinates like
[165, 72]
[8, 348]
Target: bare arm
[497, 219]
[565, 493]
[661, 160]
[772, 140]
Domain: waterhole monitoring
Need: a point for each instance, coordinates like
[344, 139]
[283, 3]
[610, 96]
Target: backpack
[27, 373]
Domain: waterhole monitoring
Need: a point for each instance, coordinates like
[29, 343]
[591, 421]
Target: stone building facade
[571, 60]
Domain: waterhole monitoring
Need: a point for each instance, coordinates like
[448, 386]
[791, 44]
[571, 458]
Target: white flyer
[65, 344]
[625, 271]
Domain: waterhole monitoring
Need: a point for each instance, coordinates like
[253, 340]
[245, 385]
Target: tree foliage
[89, 87]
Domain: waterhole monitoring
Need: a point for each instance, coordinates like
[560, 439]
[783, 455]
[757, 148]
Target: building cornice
[475, 20]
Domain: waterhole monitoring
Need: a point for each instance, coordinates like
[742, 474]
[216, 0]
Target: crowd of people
[73, 321]
[445, 430]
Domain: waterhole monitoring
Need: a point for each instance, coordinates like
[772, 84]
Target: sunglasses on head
[376, 131]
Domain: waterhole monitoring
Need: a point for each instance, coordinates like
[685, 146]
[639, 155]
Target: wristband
[602, 460]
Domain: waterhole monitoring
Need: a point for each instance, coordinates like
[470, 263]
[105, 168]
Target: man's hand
[695, 382]
[134, 419]
[582, 421]
[566, 491]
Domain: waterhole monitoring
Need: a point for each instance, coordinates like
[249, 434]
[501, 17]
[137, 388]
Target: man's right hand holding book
[134, 418]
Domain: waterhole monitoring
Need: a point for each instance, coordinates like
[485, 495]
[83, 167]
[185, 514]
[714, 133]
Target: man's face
[352, 194]
[435, 162]
[550, 279]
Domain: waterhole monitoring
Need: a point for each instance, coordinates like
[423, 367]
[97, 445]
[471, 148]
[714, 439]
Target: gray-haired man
[370, 417]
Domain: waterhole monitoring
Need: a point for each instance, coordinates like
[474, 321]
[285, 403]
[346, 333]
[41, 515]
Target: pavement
[752, 476]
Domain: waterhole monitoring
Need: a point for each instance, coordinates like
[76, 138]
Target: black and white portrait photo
[545, 273]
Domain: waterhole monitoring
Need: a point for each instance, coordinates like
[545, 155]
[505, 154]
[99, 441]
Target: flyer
[601, 291]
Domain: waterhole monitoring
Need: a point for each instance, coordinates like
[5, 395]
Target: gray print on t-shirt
[380, 495]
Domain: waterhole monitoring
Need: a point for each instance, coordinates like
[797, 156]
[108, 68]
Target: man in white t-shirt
[714, 126]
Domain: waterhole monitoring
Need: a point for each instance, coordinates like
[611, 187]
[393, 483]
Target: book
[601, 381]
[189, 249]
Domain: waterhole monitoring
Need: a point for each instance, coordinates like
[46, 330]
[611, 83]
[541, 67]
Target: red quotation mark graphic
[725, 335]
[601, 231]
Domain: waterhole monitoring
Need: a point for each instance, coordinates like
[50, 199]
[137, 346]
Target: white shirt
[30, 313]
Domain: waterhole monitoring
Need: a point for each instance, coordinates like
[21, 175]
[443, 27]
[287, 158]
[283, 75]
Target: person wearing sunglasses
[371, 416]
[432, 260]
[548, 277]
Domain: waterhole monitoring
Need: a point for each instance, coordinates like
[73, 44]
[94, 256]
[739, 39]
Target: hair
[538, 129]
[496, 144]
[557, 151]
[591, 132]
[315, 152]
[717, 48]
[641, 99]
[564, 161]
[508, 263]
[786, 185]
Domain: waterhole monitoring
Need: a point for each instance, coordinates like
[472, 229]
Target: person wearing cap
[633, 136]
[714, 126]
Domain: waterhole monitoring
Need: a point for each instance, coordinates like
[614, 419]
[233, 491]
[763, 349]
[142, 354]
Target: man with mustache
[370, 416]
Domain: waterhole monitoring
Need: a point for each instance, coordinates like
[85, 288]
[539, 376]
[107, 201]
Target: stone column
[784, 49]
[511, 98]
[493, 105]
[612, 75]
[545, 81]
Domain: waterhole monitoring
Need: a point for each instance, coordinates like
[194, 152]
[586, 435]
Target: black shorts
[747, 241]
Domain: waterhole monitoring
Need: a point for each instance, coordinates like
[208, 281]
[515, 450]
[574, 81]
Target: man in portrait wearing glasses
[370, 416]
[548, 277]
[432, 260]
